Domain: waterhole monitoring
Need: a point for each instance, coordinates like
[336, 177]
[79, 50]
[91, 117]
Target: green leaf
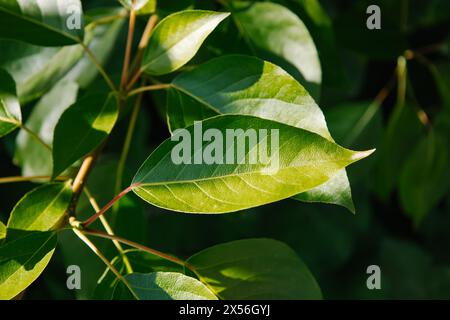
[141, 262]
[177, 38]
[163, 286]
[255, 269]
[140, 6]
[49, 23]
[36, 69]
[2, 231]
[81, 128]
[41, 209]
[33, 157]
[247, 85]
[423, 180]
[23, 260]
[10, 114]
[304, 160]
[278, 35]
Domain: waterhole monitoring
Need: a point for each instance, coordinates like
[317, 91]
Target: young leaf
[141, 262]
[177, 38]
[248, 85]
[33, 157]
[277, 34]
[423, 180]
[41, 209]
[255, 269]
[23, 260]
[81, 128]
[163, 286]
[10, 114]
[49, 23]
[298, 160]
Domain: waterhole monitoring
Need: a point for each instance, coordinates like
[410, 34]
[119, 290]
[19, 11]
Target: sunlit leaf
[10, 114]
[304, 161]
[23, 260]
[163, 286]
[177, 38]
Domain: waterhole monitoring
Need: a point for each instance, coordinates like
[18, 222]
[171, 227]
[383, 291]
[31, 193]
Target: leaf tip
[362, 154]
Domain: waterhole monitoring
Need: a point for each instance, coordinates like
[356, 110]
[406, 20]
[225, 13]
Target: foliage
[95, 96]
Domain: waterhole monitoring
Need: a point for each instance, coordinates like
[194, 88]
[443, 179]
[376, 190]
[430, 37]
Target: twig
[104, 259]
[149, 88]
[35, 137]
[126, 62]
[31, 178]
[99, 67]
[108, 229]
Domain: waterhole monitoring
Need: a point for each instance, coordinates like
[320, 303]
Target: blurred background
[401, 193]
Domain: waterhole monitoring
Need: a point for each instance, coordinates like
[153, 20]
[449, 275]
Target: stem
[99, 67]
[35, 137]
[152, 87]
[127, 144]
[104, 259]
[105, 20]
[94, 217]
[80, 180]
[108, 229]
[402, 80]
[139, 246]
[126, 62]
[31, 178]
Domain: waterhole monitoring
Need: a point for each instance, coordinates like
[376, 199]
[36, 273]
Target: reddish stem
[94, 217]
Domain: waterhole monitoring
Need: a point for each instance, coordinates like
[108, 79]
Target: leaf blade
[10, 113]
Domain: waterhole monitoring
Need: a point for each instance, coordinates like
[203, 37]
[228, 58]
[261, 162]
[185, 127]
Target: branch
[31, 178]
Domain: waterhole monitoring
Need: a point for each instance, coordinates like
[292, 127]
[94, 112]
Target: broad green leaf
[10, 114]
[33, 157]
[298, 161]
[255, 269]
[423, 180]
[81, 128]
[41, 209]
[36, 69]
[2, 231]
[140, 261]
[177, 38]
[248, 85]
[140, 6]
[23, 260]
[277, 34]
[163, 286]
[45, 23]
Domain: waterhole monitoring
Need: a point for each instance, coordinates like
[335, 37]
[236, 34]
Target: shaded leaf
[41, 209]
[177, 38]
[2, 231]
[278, 35]
[81, 128]
[140, 6]
[164, 286]
[423, 180]
[33, 157]
[10, 114]
[49, 23]
[255, 269]
[23, 260]
[304, 160]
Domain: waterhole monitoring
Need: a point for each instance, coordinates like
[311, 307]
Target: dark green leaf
[48, 23]
[81, 128]
[10, 114]
[23, 260]
[177, 38]
[163, 286]
[255, 269]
